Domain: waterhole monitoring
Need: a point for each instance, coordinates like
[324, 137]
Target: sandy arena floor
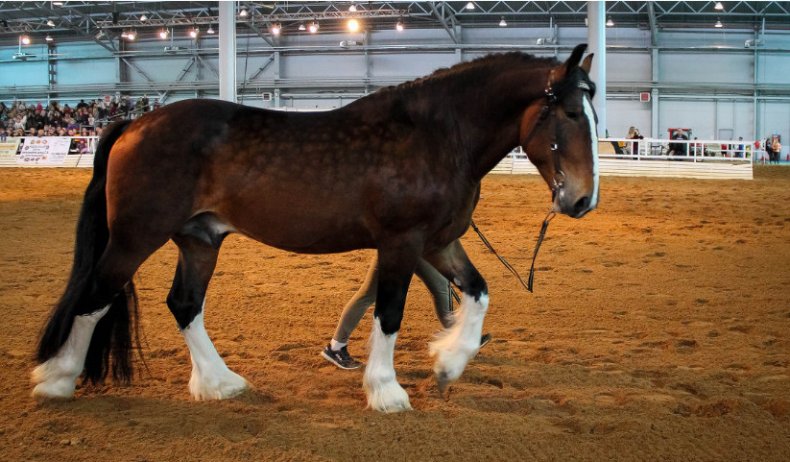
[659, 330]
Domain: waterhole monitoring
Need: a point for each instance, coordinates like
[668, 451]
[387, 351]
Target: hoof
[55, 389]
[388, 398]
[225, 386]
[443, 383]
[53, 381]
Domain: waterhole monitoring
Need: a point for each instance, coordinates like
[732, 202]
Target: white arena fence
[705, 159]
[713, 159]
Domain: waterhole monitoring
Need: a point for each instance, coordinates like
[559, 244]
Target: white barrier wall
[705, 159]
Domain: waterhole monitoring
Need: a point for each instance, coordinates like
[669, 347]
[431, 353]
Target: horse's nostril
[582, 205]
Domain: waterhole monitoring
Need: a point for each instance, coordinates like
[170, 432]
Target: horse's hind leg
[199, 246]
[99, 327]
[455, 346]
[57, 377]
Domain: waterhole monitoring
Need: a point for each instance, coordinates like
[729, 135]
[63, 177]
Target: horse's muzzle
[573, 207]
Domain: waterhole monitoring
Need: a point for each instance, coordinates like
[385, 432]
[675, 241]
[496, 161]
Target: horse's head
[559, 136]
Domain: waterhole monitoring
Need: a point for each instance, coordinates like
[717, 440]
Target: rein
[530, 281]
[557, 183]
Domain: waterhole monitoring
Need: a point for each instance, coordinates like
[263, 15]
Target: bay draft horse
[398, 171]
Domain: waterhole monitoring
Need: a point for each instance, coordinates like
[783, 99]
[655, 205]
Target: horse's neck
[486, 120]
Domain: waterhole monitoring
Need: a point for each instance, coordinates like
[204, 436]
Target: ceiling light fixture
[163, 34]
[276, 29]
[25, 40]
[352, 25]
[194, 32]
[50, 23]
[313, 27]
[718, 24]
[352, 8]
[57, 3]
[502, 22]
[470, 6]
[131, 35]
[143, 18]
[211, 30]
[718, 7]
[399, 26]
[609, 22]
[243, 12]
[48, 38]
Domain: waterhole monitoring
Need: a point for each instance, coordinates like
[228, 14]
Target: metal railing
[680, 150]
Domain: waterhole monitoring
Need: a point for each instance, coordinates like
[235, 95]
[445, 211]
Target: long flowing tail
[113, 333]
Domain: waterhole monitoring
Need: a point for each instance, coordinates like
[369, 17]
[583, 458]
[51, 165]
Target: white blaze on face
[588, 111]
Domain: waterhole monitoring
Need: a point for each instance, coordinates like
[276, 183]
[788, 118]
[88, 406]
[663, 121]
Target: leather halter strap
[547, 113]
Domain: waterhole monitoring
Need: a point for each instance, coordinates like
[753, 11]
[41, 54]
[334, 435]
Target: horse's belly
[298, 231]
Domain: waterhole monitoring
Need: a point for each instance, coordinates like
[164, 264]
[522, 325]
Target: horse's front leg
[456, 345]
[396, 261]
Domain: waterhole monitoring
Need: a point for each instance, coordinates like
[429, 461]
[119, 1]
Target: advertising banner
[45, 150]
[8, 148]
[80, 145]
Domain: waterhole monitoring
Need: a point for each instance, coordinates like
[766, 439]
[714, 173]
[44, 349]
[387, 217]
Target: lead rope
[557, 182]
[528, 285]
[550, 216]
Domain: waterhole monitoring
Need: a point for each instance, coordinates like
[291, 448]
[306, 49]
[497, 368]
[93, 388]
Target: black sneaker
[340, 358]
[484, 339]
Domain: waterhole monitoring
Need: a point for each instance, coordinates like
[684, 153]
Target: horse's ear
[576, 56]
[587, 63]
[572, 62]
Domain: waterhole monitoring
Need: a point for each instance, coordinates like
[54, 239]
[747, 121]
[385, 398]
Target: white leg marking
[211, 378]
[57, 377]
[588, 111]
[454, 347]
[384, 392]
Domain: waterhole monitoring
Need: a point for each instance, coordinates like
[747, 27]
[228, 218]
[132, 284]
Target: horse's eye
[572, 115]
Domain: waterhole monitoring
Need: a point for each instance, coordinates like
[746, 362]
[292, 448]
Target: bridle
[549, 109]
[548, 112]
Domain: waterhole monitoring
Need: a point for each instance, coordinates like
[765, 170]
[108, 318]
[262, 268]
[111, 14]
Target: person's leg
[336, 352]
[356, 307]
[439, 287]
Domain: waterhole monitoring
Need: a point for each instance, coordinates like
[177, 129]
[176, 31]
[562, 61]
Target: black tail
[113, 332]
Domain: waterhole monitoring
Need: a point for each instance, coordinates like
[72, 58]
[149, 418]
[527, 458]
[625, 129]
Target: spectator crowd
[54, 119]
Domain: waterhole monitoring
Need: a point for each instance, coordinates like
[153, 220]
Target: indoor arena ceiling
[76, 20]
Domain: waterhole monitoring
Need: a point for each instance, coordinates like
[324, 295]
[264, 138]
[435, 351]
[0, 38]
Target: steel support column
[596, 38]
[655, 103]
[227, 51]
